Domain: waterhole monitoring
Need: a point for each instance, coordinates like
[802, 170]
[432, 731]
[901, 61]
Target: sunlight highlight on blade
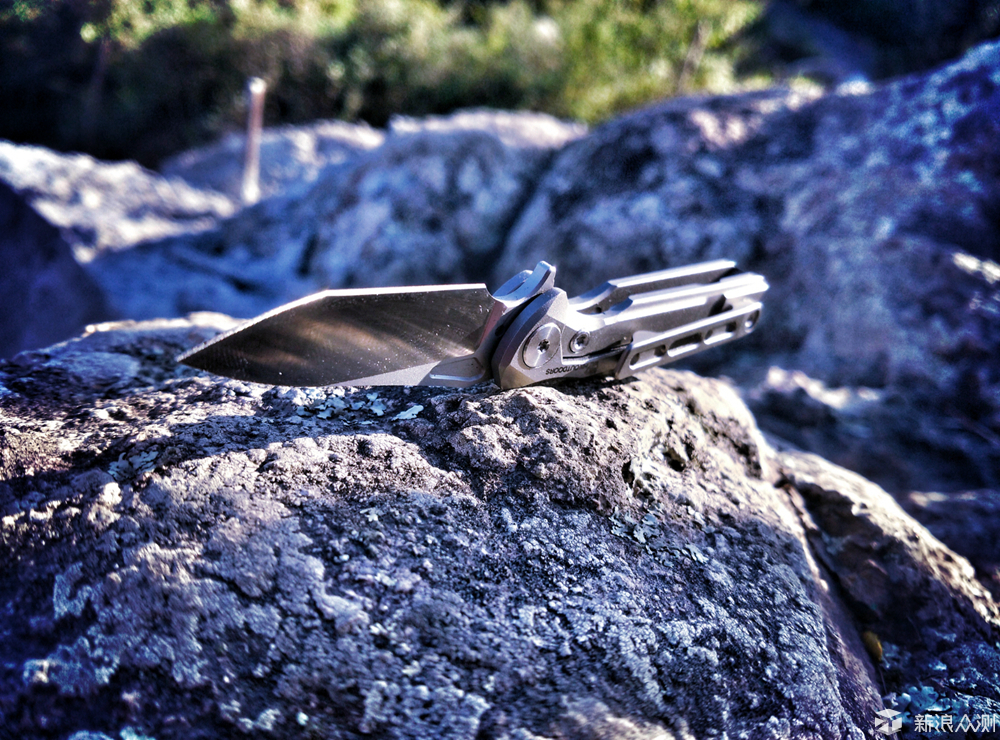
[346, 336]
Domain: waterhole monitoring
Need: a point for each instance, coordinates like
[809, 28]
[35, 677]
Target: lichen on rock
[590, 559]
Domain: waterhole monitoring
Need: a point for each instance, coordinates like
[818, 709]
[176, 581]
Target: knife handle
[612, 293]
[688, 339]
[554, 336]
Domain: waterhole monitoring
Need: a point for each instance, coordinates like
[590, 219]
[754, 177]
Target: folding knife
[458, 335]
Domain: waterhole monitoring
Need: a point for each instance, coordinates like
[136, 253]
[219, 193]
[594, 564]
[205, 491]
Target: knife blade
[377, 336]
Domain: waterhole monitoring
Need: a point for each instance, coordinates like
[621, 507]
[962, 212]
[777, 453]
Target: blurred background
[144, 79]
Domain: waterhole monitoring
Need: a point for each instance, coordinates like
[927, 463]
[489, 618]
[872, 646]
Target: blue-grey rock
[290, 157]
[429, 205]
[45, 296]
[107, 206]
[872, 212]
[593, 560]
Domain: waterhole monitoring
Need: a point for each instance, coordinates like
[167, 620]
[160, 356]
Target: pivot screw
[541, 345]
[580, 340]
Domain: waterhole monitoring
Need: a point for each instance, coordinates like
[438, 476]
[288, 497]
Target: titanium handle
[552, 338]
[613, 292]
[688, 339]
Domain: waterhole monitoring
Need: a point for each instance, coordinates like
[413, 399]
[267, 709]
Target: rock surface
[102, 206]
[294, 156]
[45, 296]
[431, 205]
[190, 557]
[290, 156]
[968, 522]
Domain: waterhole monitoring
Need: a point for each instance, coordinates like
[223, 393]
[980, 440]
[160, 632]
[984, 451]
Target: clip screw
[580, 340]
[541, 345]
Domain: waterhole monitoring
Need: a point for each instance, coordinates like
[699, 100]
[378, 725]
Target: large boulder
[290, 156]
[294, 156]
[968, 522]
[107, 206]
[191, 557]
[430, 205]
[872, 211]
[45, 296]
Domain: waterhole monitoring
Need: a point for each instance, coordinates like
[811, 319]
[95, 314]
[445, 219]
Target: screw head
[541, 345]
[580, 340]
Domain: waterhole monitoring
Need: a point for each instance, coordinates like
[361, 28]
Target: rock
[873, 548]
[430, 205]
[101, 206]
[872, 211]
[189, 557]
[867, 430]
[290, 156]
[45, 296]
[520, 130]
[425, 208]
[294, 156]
[968, 522]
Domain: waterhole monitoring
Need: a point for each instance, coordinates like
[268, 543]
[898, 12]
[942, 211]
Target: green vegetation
[143, 78]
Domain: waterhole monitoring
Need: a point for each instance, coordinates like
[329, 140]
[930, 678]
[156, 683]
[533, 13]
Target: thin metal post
[250, 190]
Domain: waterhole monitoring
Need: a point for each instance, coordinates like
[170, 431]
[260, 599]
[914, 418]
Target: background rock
[101, 206]
[521, 129]
[872, 212]
[294, 156]
[190, 556]
[289, 156]
[968, 522]
[881, 560]
[45, 296]
[430, 205]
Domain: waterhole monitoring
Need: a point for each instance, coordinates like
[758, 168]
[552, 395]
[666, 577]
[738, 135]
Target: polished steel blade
[377, 336]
